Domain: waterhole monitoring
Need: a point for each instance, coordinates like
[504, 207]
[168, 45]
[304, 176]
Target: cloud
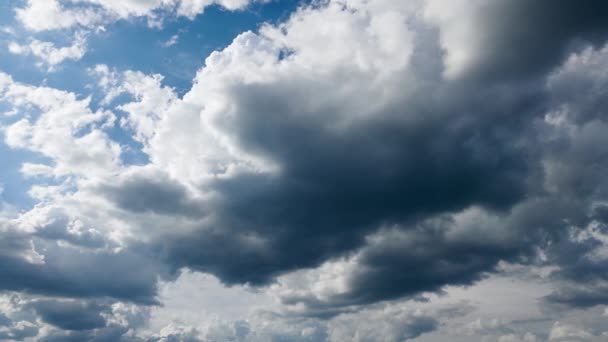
[266, 138]
[43, 15]
[153, 194]
[561, 332]
[50, 55]
[68, 273]
[358, 154]
[70, 315]
[332, 199]
[19, 332]
[39, 15]
[192, 8]
[482, 39]
[171, 41]
[59, 126]
[50, 319]
[382, 326]
[45, 253]
[527, 337]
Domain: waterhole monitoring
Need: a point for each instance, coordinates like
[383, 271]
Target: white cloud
[42, 15]
[49, 54]
[30, 170]
[172, 132]
[565, 332]
[459, 35]
[108, 81]
[7, 30]
[188, 138]
[61, 127]
[192, 8]
[527, 337]
[171, 41]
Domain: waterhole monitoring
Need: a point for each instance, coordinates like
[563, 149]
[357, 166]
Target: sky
[303, 170]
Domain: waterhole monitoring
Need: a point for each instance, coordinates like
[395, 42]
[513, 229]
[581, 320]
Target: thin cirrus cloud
[368, 170]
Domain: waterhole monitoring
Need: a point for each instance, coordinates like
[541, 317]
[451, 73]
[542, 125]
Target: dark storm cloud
[118, 326]
[582, 280]
[600, 214]
[70, 315]
[427, 263]
[74, 273]
[19, 333]
[406, 261]
[438, 149]
[58, 230]
[158, 195]
[578, 161]
[523, 39]
[62, 320]
[112, 333]
[335, 186]
[348, 170]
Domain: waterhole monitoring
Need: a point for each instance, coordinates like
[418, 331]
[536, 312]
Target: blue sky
[303, 171]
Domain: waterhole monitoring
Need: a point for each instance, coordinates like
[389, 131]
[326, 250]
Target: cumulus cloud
[398, 173]
[250, 95]
[60, 126]
[357, 154]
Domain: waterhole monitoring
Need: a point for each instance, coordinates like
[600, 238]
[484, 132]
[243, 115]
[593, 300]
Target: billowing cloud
[357, 161]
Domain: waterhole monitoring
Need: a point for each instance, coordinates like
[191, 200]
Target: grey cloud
[472, 143]
[58, 230]
[74, 273]
[4, 321]
[38, 264]
[374, 324]
[184, 335]
[19, 332]
[350, 167]
[519, 39]
[407, 261]
[120, 325]
[581, 280]
[158, 195]
[327, 198]
[110, 334]
[577, 161]
[61, 320]
[70, 315]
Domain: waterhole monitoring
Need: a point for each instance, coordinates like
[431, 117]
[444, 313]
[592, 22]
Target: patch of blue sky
[132, 44]
[13, 183]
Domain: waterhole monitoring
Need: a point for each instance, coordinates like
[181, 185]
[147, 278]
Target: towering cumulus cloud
[360, 170]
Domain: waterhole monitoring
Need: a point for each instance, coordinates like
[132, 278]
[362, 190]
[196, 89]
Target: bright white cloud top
[340, 170]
